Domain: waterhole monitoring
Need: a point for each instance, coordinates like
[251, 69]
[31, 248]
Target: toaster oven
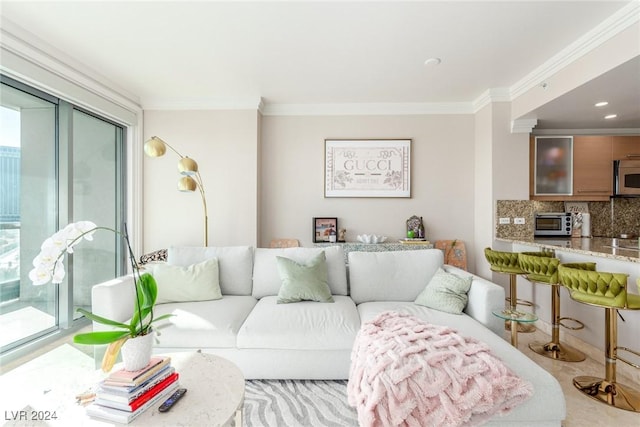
[553, 224]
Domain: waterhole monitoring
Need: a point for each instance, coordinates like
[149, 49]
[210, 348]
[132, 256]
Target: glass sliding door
[59, 164]
[97, 190]
[28, 211]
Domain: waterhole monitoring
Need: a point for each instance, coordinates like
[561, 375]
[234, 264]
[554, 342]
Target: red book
[140, 401]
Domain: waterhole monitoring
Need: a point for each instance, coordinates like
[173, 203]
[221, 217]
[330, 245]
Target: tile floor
[581, 411]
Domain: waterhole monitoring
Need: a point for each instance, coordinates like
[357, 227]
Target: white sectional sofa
[313, 340]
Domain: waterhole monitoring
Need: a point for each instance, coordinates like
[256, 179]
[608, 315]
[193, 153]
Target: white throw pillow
[198, 282]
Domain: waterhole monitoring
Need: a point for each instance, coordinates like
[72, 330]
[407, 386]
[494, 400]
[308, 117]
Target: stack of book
[124, 395]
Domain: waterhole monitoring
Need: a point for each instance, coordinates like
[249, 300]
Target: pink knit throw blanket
[405, 372]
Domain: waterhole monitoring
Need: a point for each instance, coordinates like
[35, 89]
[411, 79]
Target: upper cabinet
[626, 147]
[592, 167]
[552, 172]
[577, 168]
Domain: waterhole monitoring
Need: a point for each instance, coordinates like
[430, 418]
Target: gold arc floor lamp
[191, 179]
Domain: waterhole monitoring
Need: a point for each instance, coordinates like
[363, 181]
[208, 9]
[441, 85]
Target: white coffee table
[214, 398]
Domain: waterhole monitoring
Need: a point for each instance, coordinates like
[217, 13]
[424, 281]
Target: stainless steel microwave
[626, 175]
[553, 224]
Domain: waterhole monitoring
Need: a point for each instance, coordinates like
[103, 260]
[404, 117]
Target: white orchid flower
[48, 263]
[87, 228]
[47, 257]
[58, 272]
[40, 275]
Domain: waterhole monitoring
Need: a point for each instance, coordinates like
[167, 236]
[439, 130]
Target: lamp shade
[187, 166]
[186, 183]
[155, 147]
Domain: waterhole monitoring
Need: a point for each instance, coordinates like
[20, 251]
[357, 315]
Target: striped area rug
[303, 403]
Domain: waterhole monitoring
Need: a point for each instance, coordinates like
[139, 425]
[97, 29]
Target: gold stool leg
[513, 303]
[607, 390]
[554, 349]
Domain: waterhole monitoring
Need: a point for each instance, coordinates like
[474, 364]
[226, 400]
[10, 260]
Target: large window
[58, 164]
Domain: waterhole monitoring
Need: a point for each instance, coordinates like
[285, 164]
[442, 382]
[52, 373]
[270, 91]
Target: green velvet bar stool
[609, 291]
[542, 267]
[507, 263]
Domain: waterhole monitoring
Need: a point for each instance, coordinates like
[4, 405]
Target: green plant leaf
[102, 337]
[149, 290]
[102, 320]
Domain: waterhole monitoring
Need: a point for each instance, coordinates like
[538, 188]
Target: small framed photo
[325, 230]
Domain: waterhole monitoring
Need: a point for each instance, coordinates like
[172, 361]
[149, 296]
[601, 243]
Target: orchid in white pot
[49, 267]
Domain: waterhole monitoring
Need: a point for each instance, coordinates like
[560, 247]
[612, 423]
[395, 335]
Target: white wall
[484, 199]
[225, 145]
[501, 173]
[292, 177]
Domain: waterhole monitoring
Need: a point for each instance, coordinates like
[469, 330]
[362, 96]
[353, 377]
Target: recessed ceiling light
[601, 103]
[432, 62]
[611, 116]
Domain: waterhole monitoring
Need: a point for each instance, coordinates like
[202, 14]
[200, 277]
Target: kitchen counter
[605, 247]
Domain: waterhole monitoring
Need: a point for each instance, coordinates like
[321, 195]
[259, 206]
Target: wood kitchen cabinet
[590, 173]
[551, 167]
[625, 147]
[592, 168]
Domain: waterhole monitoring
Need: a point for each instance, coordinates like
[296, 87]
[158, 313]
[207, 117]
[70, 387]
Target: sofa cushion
[391, 276]
[303, 282]
[203, 324]
[197, 282]
[446, 292]
[266, 279]
[235, 264]
[300, 326]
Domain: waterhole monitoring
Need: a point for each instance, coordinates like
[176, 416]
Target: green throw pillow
[304, 282]
[198, 282]
[446, 292]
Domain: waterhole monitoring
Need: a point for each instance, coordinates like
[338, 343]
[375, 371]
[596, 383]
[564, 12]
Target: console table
[375, 247]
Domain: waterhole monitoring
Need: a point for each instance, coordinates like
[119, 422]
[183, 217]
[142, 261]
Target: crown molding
[491, 95]
[523, 125]
[204, 103]
[33, 50]
[367, 109]
[607, 29]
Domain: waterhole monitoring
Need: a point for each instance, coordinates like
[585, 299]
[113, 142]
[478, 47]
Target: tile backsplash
[608, 219]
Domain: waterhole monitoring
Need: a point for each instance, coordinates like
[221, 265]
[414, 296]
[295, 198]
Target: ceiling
[203, 54]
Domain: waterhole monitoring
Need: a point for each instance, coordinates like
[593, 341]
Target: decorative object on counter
[610, 294]
[542, 267]
[371, 238]
[49, 267]
[342, 235]
[323, 228]
[455, 252]
[367, 168]
[413, 225]
[191, 179]
[332, 236]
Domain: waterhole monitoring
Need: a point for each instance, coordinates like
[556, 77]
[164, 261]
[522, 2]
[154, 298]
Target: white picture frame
[367, 168]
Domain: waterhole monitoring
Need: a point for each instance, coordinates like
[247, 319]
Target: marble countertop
[594, 246]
